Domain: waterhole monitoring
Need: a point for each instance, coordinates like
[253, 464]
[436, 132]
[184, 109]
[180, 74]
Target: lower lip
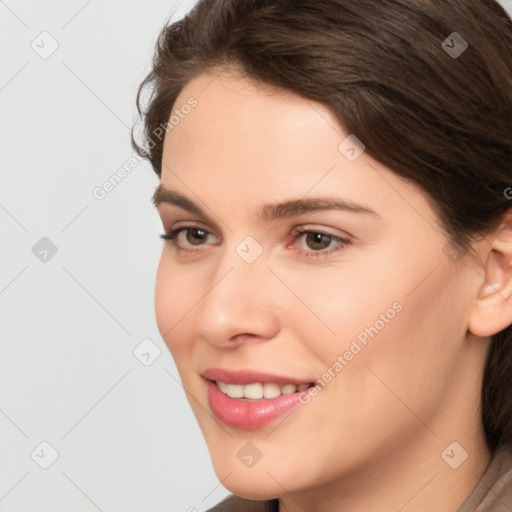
[248, 414]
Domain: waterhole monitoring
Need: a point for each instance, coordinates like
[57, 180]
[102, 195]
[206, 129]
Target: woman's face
[375, 309]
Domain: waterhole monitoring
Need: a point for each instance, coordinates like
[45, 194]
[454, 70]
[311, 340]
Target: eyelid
[329, 231]
[194, 225]
[168, 213]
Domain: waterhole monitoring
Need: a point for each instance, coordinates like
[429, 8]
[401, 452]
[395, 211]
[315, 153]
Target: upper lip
[249, 377]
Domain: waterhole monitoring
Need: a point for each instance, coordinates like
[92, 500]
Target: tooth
[235, 390]
[287, 389]
[257, 390]
[271, 390]
[253, 391]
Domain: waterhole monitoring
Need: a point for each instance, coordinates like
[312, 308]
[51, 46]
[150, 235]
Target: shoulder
[493, 493]
[236, 504]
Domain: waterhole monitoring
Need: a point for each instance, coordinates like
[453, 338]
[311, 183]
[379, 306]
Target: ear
[492, 307]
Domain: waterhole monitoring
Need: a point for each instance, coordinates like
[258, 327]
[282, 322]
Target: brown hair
[441, 120]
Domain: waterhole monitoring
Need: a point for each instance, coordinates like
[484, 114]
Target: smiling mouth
[259, 390]
[249, 399]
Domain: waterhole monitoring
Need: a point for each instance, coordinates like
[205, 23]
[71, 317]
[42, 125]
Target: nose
[240, 304]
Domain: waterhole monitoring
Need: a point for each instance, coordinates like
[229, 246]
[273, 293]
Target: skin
[372, 438]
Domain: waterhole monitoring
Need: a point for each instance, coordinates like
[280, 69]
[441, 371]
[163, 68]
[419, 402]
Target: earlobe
[492, 308]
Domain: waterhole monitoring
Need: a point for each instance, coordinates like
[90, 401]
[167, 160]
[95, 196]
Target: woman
[336, 282]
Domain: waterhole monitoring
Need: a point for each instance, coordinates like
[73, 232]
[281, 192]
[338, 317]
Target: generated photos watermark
[356, 346]
[100, 192]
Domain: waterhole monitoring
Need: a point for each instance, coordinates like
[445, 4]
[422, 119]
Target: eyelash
[296, 233]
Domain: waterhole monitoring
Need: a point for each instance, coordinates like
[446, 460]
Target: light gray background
[124, 433]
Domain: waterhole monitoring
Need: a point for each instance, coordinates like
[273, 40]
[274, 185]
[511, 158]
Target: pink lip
[249, 377]
[248, 414]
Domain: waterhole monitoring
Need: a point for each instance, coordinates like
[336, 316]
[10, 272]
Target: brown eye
[188, 238]
[316, 244]
[318, 241]
[196, 236]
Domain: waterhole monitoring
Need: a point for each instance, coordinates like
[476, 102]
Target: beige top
[493, 493]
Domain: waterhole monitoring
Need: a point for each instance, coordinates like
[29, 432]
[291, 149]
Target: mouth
[250, 400]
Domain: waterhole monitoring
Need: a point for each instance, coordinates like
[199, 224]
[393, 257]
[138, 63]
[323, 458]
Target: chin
[250, 483]
[251, 489]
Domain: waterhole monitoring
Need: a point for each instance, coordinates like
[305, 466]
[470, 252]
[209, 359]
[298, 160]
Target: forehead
[227, 97]
[251, 124]
[245, 144]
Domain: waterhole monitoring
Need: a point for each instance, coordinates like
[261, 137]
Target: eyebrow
[289, 208]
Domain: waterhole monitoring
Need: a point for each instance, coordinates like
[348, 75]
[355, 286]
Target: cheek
[175, 295]
[391, 320]
[340, 305]
[397, 356]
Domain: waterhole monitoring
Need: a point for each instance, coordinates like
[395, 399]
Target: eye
[195, 235]
[319, 243]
